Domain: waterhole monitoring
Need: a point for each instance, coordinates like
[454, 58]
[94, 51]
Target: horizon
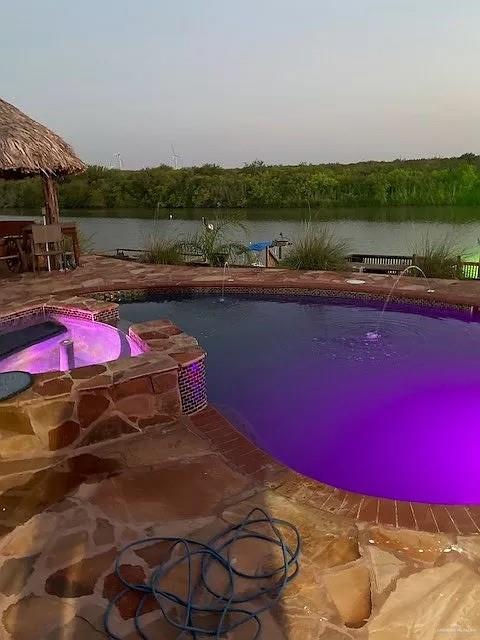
[320, 83]
[464, 155]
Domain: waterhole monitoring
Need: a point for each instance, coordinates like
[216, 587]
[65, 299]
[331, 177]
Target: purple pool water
[398, 417]
[94, 343]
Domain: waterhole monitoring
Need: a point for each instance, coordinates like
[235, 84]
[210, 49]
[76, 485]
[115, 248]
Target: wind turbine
[175, 158]
[119, 160]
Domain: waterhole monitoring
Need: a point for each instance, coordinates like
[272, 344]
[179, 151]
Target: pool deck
[379, 570]
[99, 273]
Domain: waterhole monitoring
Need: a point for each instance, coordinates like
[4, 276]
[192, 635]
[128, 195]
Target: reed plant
[438, 258]
[213, 245]
[162, 251]
[317, 249]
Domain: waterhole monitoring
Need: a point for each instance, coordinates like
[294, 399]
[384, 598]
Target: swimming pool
[395, 417]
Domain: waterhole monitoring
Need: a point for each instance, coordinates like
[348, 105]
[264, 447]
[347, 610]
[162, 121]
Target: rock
[469, 545]
[139, 406]
[79, 579]
[327, 540]
[349, 589]
[49, 414]
[165, 381]
[55, 386]
[74, 518]
[14, 574]
[14, 420]
[92, 613]
[77, 629]
[127, 604]
[104, 532]
[34, 617]
[29, 539]
[155, 554]
[107, 428]
[19, 445]
[63, 435]
[88, 372]
[433, 604]
[177, 490]
[67, 549]
[332, 633]
[90, 406]
[415, 545]
[385, 568]
[132, 387]
[304, 604]
[160, 629]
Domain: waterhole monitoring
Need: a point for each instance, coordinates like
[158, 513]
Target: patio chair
[47, 242]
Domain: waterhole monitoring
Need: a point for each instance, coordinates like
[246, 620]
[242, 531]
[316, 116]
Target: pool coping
[243, 455]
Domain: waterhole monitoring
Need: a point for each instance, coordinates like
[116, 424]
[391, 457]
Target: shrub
[162, 251]
[437, 258]
[317, 250]
[212, 244]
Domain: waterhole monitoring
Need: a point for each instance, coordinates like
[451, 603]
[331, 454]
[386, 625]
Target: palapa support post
[50, 195]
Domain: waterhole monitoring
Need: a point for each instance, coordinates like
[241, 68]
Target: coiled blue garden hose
[216, 551]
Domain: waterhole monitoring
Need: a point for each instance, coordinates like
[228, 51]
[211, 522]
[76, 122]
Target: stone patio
[64, 521]
[99, 273]
[64, 517]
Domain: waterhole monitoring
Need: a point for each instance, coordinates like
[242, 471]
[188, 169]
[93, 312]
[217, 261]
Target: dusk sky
[285, 82]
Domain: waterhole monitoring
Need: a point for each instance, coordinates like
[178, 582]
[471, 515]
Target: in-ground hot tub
[115, 383]
[92, 342]
[395, 417]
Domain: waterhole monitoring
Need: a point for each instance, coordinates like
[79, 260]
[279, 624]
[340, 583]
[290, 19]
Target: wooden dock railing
[382, 263]
[469, 270]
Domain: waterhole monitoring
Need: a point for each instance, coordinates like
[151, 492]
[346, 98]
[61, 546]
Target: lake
[369, 230]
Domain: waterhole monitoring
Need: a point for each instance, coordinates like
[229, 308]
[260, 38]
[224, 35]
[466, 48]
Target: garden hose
[242, 607]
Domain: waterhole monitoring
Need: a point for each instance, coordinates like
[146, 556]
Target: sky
[230, 82]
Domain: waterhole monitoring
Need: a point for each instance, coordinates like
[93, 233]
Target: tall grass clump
[162, 251]
[317, 249]
[438, 258]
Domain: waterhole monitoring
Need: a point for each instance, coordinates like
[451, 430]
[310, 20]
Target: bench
[372, 267]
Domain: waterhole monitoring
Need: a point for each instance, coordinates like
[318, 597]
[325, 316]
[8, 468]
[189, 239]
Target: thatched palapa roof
[27, 148]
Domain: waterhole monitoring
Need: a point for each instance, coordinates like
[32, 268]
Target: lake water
[374, 230]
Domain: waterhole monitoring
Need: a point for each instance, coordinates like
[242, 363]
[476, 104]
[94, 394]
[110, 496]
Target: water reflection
[366, 229]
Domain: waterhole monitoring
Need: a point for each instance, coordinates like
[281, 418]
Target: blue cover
[27, 336]
[260, 246]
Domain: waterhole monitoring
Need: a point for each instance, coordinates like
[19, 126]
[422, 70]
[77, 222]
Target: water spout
[226, 267]
[67, 355]
[374, 335]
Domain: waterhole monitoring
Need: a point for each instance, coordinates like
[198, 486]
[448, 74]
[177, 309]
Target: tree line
[437, 181]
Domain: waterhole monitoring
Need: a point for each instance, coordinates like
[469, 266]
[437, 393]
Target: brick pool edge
[247, 458]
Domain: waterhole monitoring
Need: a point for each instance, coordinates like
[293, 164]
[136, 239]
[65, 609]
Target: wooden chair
[47, 242]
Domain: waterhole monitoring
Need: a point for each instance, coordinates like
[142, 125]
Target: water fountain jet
[374, 335]
[226, 267]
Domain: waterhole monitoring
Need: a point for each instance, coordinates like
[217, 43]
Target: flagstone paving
[64, 525]
[64, 517]
[99, 273]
